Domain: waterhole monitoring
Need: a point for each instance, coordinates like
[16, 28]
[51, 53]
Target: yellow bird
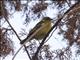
[45, 23]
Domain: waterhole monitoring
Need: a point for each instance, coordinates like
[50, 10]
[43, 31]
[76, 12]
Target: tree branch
[41, 44]
[28, 40]
[13, 28]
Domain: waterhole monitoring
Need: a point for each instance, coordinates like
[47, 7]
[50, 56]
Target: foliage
[6, 45]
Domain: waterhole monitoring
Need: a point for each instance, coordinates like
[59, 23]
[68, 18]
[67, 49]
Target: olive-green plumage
[42, 32]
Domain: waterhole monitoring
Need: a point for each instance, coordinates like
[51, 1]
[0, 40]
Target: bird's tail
[22, 42]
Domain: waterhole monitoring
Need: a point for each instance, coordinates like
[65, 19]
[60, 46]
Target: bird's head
[46, 19]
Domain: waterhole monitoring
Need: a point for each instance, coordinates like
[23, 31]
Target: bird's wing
[35, 28]
[32, 31]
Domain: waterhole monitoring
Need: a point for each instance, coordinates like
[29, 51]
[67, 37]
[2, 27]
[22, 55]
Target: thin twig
[50, 35]
[14, 30]
[28, 40]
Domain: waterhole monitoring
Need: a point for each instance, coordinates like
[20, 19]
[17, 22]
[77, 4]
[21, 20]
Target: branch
[28, 40]
[13, 28]
[41, 44]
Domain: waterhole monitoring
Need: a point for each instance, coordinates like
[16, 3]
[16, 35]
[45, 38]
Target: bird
[46, 22]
